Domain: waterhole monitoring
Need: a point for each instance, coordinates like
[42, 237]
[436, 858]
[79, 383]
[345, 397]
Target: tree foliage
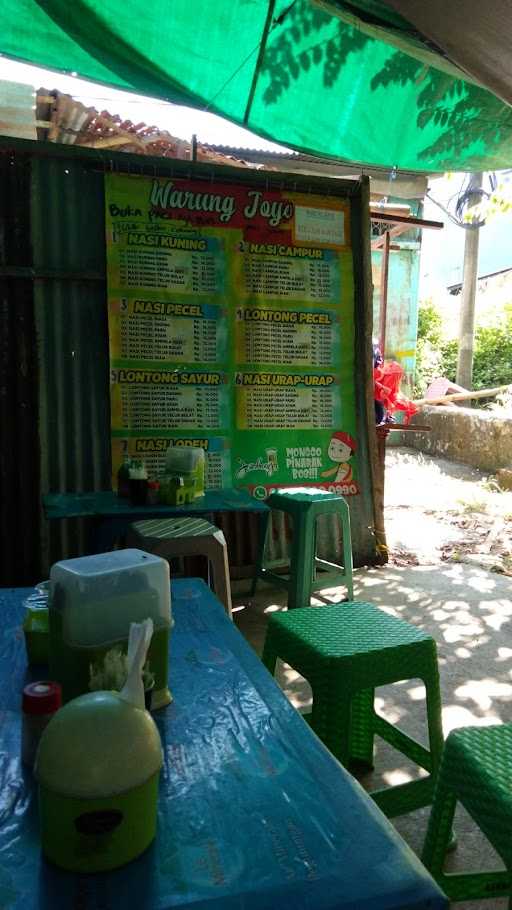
[306, 37]
[436, 353]
[498, 202]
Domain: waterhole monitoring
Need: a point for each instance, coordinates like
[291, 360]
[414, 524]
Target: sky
[181, 122]
[442, 252]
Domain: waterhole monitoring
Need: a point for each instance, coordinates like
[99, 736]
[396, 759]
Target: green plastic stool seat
[476, 770]
[307, 573]
[345, 651]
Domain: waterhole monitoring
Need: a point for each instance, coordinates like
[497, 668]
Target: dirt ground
[441, 511]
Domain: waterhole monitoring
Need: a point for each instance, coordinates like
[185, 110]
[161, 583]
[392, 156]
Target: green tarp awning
[314, 77]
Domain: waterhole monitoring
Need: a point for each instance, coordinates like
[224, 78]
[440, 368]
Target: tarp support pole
[384, 272]
[261, 52]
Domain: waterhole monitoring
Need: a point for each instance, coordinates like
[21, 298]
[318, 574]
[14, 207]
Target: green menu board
[231, 324]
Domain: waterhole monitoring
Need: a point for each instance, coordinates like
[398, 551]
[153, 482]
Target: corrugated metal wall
[67, 247]
[19, 447]
[71, 318]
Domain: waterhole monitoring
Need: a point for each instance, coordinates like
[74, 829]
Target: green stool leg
[434, 715]
[270, 654]
[461, 886]
[332, 574]
[476, 779]
[330, 719]
[362, 730]
[415, 794]
[439, 829]
[347, 549]
[302, 561]
[263, 525]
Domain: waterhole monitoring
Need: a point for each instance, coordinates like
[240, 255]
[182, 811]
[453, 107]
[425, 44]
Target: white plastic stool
[171, 537]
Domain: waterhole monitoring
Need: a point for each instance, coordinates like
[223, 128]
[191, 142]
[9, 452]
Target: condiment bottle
[153, 492]
[40, 702]
[123, 477]
[138, 483]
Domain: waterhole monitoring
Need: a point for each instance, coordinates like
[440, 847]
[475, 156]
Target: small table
[254, 812]
[112, 514]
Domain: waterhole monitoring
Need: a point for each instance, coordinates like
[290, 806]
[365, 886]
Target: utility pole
[468, 297]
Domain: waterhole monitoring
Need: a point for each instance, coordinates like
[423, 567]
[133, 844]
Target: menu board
[231, 325]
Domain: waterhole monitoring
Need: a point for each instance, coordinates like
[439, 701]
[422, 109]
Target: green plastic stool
[345, 651]
[476, 770]
[305, 506]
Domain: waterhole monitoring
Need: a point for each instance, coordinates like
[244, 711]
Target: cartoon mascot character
[341, 447]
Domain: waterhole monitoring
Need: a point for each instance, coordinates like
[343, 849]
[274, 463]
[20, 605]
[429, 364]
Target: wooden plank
[404, 219]
[462, 396]
[379, 243]
[110, 142]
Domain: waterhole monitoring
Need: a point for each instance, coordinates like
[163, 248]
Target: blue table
[254, 813]
[111, 514]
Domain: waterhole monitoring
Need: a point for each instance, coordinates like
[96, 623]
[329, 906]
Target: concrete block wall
[471, 436]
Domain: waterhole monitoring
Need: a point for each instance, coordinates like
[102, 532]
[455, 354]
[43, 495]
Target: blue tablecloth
[111, 515]
[254, 813]
[106, 504]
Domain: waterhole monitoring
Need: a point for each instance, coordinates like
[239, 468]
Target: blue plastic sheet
[254, 813]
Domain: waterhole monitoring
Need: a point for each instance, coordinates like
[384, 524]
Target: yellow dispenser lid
[98, 746]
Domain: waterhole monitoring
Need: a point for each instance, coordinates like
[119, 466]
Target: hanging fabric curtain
[346, 80]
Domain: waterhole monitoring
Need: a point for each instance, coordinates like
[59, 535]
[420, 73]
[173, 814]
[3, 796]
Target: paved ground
[437, 510]
[468, 610]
